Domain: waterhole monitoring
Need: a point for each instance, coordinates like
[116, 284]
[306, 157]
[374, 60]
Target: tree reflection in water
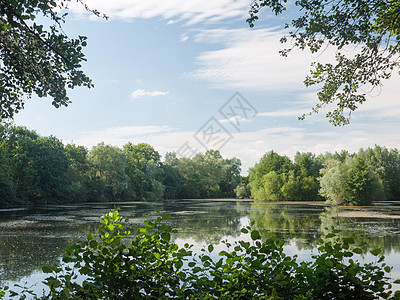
[36, 238]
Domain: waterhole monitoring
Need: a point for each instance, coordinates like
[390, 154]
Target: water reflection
[206, 222]
[372, 227]
[288, 222]
[29, 239]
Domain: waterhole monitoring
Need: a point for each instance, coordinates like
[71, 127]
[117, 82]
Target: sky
[189, 76]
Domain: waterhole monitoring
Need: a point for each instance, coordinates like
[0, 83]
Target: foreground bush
[117, 265]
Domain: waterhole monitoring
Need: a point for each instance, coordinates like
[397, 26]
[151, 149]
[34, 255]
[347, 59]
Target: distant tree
[78, 173]
[386, 164]
[362, 185]
[144, 172]
[230, 176]
[35, 168]
[172, 179]
[269, 162]
[349, 182]
[51, 166]
[373, 26]
[108, 170]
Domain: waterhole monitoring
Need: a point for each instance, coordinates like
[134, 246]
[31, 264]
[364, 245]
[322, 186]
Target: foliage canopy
[37, 59]
[372, 25]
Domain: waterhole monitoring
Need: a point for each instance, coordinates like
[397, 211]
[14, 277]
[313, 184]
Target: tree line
[42, 170]
[340, 178]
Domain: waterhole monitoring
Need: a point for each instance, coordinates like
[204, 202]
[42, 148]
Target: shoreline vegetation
[117, 265]
[37, 170]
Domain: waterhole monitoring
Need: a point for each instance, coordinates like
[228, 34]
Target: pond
[32, 238]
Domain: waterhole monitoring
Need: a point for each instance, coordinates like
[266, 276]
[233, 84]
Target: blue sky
[165, 72]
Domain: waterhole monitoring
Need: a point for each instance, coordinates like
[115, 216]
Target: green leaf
[93, 244]
[349, 240]
[329, 263]
[244, 230]
[210, 248]
[166, 217]
[178, 264]
[166, 236]
[357, 250]
[255, 235]
[90, 237]
[47, 269]
[387, 269]
[375, 252]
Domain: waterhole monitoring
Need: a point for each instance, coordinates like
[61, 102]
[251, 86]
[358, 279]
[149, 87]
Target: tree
[265, 177]
[108, 165]
[37, 58]
[144, 172]
[78, 173]
[362, 186]
[349, 182]
[373, 25]
[34, 167]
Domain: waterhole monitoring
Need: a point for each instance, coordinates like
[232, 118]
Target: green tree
[362, 185]
[372, 25]
[269, 162]
[144, 172]
[78, 173]
[349, 182]
[7, 191]
[36, 56]
[108, 172]
[51, 166]
[230, 176]
[37, 167]
[172, 179]
[386, 164]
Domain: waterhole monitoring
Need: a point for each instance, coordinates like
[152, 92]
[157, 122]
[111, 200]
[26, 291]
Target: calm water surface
[32, 238]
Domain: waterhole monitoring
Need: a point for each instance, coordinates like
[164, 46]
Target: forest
[37, 170]
[371, 174]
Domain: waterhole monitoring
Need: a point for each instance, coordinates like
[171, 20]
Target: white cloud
[284, 113]
[142, 93]
[119, 136]
[249, 60]
[384, 103]
[235, 120]
[193, 11]
[250, 146]
[184, 37]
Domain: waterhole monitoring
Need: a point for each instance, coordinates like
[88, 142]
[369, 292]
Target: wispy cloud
[121, 135]
[284, 113]
[184, 37]
[251, 145]
[193, 12]
[235, 120]
[139, 93]
[249, 59]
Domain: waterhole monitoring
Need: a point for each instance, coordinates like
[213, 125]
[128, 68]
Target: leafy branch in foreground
[116, 265]
[371, 28]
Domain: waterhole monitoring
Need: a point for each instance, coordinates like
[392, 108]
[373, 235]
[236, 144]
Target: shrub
[150, 266]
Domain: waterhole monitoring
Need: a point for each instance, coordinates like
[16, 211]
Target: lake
[32, 238]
